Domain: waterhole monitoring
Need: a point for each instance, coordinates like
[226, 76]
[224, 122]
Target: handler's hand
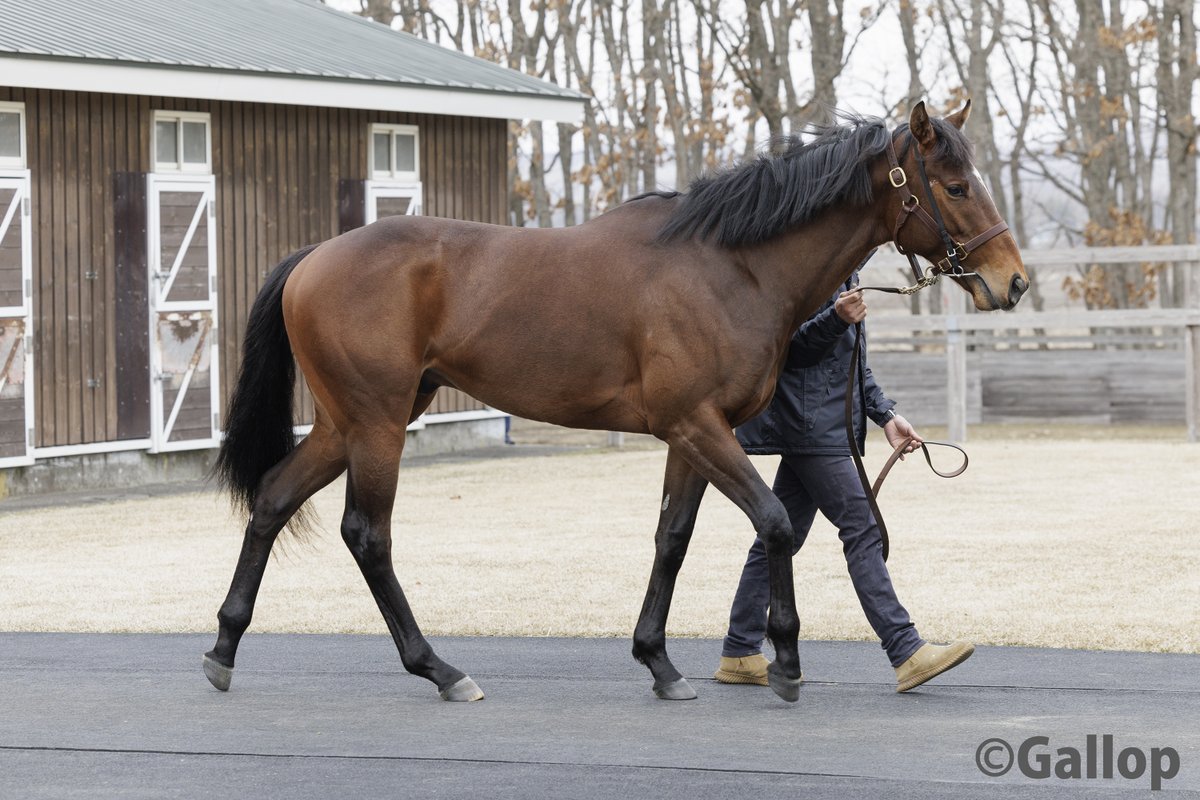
[851, 307]
[897, 430]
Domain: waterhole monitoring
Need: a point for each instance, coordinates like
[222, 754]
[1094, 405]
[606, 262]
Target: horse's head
[944, 212]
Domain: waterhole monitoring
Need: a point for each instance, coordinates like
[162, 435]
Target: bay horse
[669, 314]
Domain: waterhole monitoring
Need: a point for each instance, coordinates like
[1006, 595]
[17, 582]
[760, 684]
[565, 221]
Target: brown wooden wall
[278, 170]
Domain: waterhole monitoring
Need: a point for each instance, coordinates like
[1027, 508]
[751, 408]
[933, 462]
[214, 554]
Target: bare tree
[826, 45]
[759, 50]
[829, 53]
[907, 12]
[1099, 108]
[378, 10]
[1176, 78]
[1021, 50]
[1082, 97]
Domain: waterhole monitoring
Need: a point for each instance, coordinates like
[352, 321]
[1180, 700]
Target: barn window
[182, 142]
[394, 153]
[12, 135]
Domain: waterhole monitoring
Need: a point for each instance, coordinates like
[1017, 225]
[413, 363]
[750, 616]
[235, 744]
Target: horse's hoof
[675, 690]
[217, 673]
[782, 685]
[464, 691]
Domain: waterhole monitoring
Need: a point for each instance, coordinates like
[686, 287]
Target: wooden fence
[1040, 366]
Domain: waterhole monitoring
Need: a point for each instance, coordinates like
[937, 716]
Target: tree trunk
[912, 55]
[1177, 74]
[826, 47]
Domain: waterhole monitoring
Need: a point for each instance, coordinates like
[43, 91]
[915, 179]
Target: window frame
[392, 174]
[20, 161]
[180, 166]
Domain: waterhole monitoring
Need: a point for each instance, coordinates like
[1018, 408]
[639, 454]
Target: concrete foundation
[454, 437]
[132, 468]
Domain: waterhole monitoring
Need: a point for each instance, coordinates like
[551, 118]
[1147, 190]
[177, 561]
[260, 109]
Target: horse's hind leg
[366, 529]
[683, 489]
[285, 488]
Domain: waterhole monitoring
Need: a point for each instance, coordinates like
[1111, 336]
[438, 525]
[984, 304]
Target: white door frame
[377, 190]
[18, 212]
[161, 279]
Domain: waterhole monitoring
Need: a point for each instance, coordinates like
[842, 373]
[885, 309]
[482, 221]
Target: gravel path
[1043, 542]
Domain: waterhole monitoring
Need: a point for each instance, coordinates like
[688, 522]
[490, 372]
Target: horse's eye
[956, 190]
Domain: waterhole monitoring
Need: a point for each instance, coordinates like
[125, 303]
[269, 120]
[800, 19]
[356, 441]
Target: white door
[184, 392]
[392, 200]
[16, 322]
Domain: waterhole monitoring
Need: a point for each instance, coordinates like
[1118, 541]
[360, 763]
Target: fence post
[1191, 350]
[956, 380]
[1191, 354]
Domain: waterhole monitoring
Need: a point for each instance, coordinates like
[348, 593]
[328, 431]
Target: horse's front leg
[682, 490]
[709, 445]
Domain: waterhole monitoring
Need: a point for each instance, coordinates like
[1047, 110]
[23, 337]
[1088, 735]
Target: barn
[158, 157]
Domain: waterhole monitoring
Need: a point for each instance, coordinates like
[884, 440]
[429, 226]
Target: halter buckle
[897, 182]
[947, 265]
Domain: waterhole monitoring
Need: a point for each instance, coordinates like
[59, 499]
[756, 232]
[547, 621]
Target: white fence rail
[1025, 322]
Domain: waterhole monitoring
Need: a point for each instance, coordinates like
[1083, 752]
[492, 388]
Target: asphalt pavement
[308, 716]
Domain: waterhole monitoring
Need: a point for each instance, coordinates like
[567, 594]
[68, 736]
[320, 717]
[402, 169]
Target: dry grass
[1044, 541]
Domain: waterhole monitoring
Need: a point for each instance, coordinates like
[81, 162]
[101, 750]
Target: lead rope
[857, 369]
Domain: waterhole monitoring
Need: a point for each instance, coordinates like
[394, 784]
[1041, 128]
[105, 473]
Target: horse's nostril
[1017, 288]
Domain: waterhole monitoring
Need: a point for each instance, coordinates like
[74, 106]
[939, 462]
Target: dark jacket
[807, 415]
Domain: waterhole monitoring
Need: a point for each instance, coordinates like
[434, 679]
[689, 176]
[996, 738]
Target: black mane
[761, 199]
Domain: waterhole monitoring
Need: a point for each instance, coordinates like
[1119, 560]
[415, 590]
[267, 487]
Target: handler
[805, 423]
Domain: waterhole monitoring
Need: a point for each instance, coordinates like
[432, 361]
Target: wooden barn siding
[275, 193]
[76, 142]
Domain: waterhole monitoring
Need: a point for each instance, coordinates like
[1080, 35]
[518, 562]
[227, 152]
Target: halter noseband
[910, 205]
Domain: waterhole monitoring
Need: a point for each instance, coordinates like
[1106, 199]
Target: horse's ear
[921, 127]
[959, 118]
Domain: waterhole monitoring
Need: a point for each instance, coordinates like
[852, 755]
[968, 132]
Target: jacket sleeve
[813, 340]
[878, 404]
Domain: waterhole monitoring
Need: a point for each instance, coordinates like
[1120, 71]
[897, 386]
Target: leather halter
[910, 205]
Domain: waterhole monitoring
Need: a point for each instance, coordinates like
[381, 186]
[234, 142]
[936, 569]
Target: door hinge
[216, 422]
[25, 206]
[94, 383]
[29, 437]
[29, 287]
[91, 275]
[212, 282]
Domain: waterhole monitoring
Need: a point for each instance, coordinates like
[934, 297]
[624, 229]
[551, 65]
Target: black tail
[259, 430]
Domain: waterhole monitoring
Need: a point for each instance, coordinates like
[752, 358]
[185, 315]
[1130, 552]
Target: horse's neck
[807, 265]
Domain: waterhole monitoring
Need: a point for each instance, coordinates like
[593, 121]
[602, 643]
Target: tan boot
[747, 669]
[931, 660]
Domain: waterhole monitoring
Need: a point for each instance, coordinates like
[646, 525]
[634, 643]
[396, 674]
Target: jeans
[829, 484]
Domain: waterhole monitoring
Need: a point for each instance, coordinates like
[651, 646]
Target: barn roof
[283, 51]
